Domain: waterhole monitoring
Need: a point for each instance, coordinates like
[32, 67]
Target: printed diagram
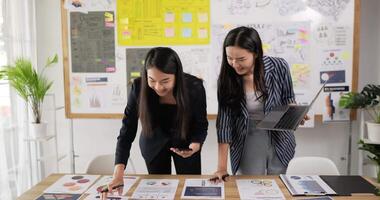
[330, 8]
[289, 41]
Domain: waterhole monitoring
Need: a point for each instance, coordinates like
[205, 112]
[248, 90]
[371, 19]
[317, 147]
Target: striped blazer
[233, 129]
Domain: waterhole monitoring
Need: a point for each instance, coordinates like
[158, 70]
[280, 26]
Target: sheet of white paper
[72, 184]
[97, 187]
[259, 189]
[156, 189]
[202, 189]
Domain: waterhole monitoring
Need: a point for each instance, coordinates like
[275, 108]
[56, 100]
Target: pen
[114, 187]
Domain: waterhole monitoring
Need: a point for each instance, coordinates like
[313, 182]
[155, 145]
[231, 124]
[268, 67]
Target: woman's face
[160, 82]
[241, 60]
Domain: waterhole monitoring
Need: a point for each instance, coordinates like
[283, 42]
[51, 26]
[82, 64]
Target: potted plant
[367, 99]
[32, 86]
[374, 149]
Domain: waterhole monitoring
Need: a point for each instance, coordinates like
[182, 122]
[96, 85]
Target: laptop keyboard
[290, 118]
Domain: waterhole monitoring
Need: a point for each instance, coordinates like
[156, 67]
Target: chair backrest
[312, 166]
[104, 164]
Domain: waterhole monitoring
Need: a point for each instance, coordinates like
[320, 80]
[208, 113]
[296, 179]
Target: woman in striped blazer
[250, 85]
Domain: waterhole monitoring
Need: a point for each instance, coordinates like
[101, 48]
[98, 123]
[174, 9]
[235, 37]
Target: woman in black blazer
[171, 106]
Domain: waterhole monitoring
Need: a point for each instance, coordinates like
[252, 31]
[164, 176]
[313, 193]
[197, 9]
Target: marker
[114, 187]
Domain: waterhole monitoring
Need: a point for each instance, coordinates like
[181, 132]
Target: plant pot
[373, 131]
[37, 130]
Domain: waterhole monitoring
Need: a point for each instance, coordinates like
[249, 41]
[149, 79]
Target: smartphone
[184, 148]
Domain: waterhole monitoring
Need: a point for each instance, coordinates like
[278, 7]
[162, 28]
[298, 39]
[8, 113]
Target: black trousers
[161, 164]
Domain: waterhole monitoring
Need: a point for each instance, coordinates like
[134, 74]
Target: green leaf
[28, 83]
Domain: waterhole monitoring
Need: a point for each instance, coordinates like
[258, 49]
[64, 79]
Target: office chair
[104, 165]
[312, 166]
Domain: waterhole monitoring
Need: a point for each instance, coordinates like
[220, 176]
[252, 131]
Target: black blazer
[150, 146]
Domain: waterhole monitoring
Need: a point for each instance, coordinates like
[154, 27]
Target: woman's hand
[306, 118]
[193, 148]
[117, 184]
[219, 176]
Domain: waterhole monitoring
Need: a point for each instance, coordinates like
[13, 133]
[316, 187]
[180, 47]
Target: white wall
[98, 136]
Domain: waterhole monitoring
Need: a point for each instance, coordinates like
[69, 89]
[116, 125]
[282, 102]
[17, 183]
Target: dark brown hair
[230, 84]
[167, 61]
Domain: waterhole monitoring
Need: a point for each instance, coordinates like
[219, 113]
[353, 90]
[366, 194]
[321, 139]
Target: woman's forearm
[222, 156]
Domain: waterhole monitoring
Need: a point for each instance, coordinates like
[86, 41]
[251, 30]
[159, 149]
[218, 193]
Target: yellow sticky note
[227, 26]
[345, 55]
[108, 15]
[297, 46]
[135, 74]
[266, 47]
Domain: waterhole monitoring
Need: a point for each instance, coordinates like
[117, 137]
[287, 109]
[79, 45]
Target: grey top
[255, 107]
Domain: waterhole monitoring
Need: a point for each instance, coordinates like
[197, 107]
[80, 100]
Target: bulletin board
[105, 42]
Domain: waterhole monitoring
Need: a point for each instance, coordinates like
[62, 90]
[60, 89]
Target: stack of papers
[202, 189]
[259, 189]
[306, 185]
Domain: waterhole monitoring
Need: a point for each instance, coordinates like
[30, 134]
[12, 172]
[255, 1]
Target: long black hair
[230, 84]
[167, 61]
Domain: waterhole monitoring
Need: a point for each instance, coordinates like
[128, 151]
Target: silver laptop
[286, 117]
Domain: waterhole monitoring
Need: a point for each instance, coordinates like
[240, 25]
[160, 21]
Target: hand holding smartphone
[184, 149]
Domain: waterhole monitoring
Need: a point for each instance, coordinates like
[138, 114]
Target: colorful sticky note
[266, 47]
[345, 55]
[110, 69]
[227, 26]
[202, 33]
[135, 74]
[109, 24]
[108, 19]
[108, 14]
[297, 46]
[187, 17]
[169, 32]
[202, 17]
[169, 17]
[186, 32]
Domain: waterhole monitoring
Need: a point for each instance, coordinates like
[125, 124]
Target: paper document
[306, 185]
[156, 189]
[202, 189]
[72, 184]
[259, 189]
